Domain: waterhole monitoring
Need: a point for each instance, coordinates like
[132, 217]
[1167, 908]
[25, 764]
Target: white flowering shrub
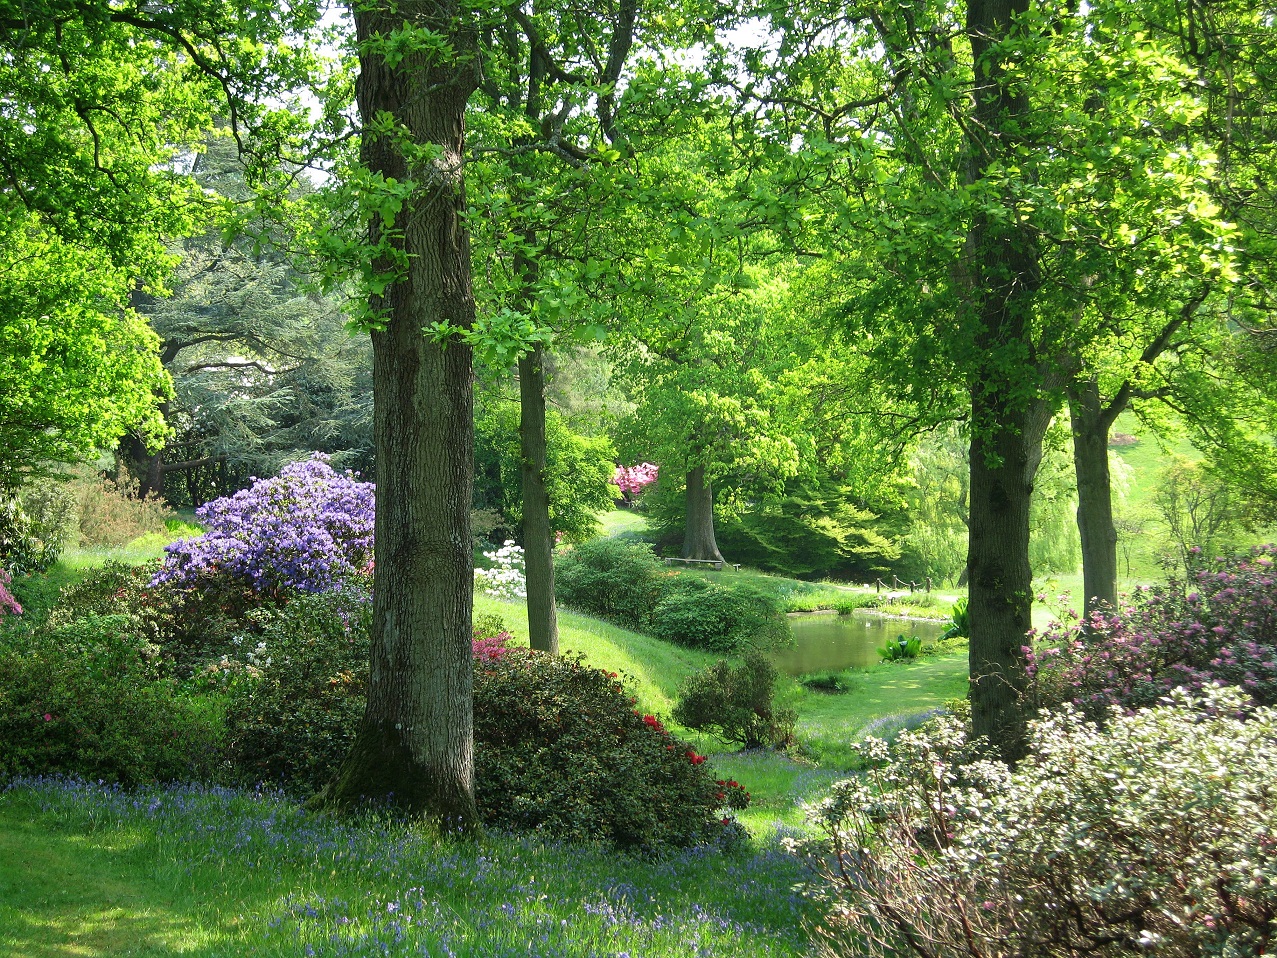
[505, 580]
[1155, 836]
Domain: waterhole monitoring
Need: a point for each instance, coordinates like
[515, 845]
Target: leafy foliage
[903, 647]
[615, 579]
[88, 699]
[1217, 626]
[579, 471]
[621, 580]
[814, 529]
[308, 529]
[293, 717]
[1150, 837]
[737, 703]
[716, 618]
[559, 748]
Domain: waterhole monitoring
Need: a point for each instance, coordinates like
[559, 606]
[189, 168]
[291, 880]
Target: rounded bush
[294, 716]
[1218, 626]
[88, 699]
[737, 703]
[614, 579]
[702, 615]
[190, 626]
[1153, 836]
[306, 530]
[559, 749]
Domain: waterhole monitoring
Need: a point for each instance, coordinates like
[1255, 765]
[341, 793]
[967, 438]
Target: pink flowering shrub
[1217, 627]
[632, 480]
[8, 604]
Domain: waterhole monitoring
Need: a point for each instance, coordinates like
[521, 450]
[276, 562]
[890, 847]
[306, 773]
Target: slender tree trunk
[538, 541]
[414, 746]
[1005, 416]
[698, 535]
[1091, 423]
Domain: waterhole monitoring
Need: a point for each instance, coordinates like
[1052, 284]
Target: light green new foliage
[77, 366]
[1152, 836]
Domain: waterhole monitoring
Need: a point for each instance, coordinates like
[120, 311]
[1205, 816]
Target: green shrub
[959, 621]
[192, 628]
[559, 750]
[294, 720]
[1153, 837]
[36, 522]
[723, 619]
[901, 648]
[737, 703]
[622, 581]
[558, 747]
[613, 579]
[89, 699]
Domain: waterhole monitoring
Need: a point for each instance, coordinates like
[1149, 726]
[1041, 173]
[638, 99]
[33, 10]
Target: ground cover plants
[210, 871]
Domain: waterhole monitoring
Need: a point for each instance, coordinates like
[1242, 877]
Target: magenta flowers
[8, 604]
[305, 530]
[632, 480]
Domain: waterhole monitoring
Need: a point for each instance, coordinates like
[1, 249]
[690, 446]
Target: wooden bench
[716, 564]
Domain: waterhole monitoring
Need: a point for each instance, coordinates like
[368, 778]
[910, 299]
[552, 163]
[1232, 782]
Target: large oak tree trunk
[1090, 424]
[414, 746]
[1000, 585]
[538, 541]
[698, 535]
[1006, 414]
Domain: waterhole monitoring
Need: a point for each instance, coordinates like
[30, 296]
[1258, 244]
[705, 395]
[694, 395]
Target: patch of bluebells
[307, 530]
[1216, 627]
[379, 886]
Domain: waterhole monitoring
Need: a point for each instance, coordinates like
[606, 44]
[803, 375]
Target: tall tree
[418, 66]
[960, 171]
[563, 116]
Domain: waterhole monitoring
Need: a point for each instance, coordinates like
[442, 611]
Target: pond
[836, 642]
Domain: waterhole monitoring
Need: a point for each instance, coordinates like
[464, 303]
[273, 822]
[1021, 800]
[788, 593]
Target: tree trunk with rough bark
[1091, 423]
[538, 539]
[1006, 443]
[414, 746]
[698, 536]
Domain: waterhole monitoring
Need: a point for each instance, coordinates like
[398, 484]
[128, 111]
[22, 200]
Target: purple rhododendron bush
[306, 530]
[1155, 835]
[1216, 626]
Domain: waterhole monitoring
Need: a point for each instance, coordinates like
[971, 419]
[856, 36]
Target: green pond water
[837, 642]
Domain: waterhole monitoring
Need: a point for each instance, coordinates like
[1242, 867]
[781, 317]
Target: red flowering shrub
[1218, 627]
[559, 749]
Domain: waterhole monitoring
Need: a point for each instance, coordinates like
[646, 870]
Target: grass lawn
[621, 520]
[87, 871]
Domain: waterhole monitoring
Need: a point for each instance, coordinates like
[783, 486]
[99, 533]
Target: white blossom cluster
[505, 579]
